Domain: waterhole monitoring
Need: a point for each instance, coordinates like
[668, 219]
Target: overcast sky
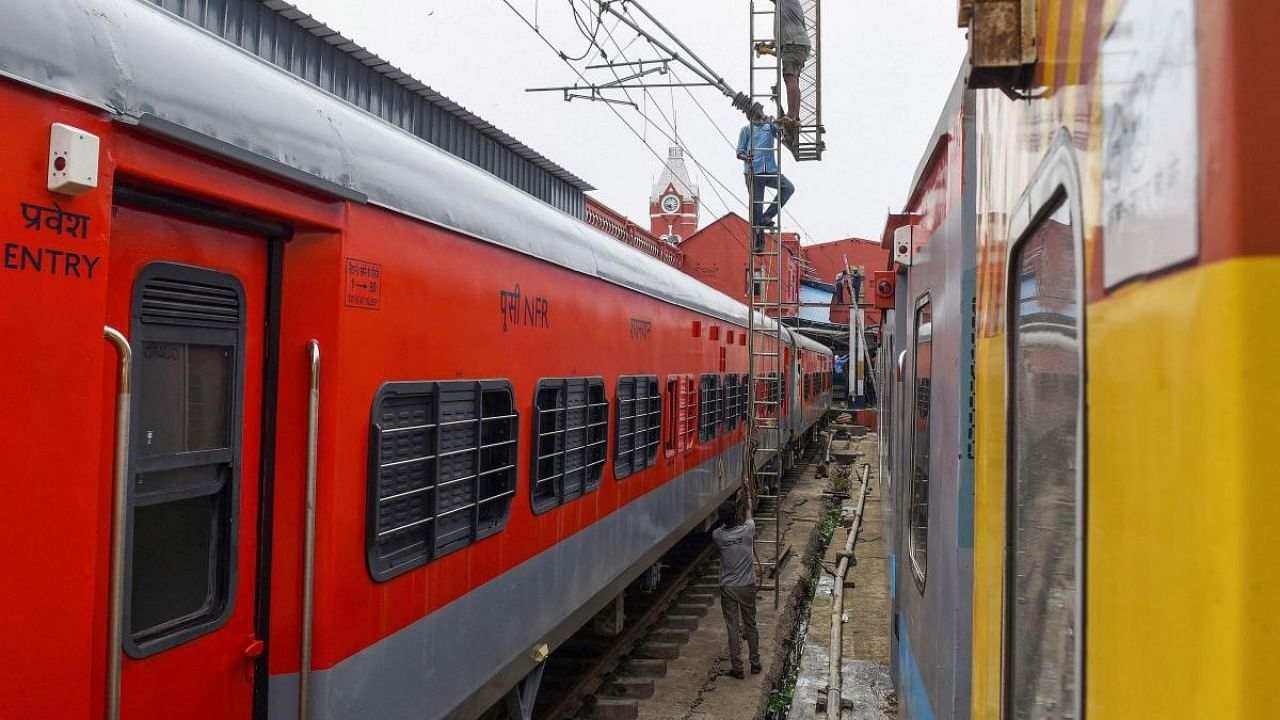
[887, 70]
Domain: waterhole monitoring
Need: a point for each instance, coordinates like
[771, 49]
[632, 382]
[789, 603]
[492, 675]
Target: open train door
[190, 290]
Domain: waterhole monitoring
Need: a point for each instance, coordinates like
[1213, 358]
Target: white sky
[887, 70]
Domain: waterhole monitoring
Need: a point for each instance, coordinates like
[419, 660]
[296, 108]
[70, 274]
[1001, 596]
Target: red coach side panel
[57, 373]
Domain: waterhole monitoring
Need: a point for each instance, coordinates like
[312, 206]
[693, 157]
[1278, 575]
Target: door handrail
[119, 509]
[309, 541]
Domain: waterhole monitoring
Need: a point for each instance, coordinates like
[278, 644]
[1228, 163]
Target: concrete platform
[868, 690]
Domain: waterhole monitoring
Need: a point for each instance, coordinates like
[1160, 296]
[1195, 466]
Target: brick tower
[673, 203]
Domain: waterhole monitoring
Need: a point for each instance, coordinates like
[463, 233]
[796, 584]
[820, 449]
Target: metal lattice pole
[766, 366]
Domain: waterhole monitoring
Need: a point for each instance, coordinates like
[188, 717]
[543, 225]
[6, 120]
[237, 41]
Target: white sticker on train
[1150, 154]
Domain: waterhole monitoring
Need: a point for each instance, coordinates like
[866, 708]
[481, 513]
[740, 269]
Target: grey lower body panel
[461, 658]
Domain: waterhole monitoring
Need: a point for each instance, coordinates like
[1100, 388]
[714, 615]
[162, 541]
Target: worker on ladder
[756, 144]
[794, 52]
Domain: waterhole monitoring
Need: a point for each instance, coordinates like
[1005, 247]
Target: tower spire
[673, 201]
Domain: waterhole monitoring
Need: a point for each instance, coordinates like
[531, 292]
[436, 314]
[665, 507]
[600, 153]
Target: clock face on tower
[670, 204]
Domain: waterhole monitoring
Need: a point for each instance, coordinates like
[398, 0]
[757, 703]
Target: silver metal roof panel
[120, 55]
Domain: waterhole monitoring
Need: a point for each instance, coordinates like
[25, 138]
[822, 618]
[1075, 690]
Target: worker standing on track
[756, 150]
[736, 542]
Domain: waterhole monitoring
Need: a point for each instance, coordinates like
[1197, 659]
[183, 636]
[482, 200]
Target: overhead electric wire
[730, 142]
[590, 36]
[612, 109]
[670, 122]
[648, 96]
[675, 138]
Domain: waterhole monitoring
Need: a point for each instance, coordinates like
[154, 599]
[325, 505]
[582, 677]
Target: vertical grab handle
[119, 494]
[309, 540]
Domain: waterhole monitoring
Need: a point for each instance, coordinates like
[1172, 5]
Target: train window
[886, 424]
[442, 470]
[729, 421]
[918, 505]
[639, 425]
[570, 433]
[1045, 473]
[682, 414]
[188, 334]
[709, 409]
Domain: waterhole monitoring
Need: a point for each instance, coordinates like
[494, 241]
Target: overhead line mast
[773, 392]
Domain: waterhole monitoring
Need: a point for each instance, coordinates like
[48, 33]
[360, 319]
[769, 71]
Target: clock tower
[673, 203]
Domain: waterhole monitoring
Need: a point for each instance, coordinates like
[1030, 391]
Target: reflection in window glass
[1045, 475]
[191, 413]
[886, 424]
[176, 575]
[919, 505]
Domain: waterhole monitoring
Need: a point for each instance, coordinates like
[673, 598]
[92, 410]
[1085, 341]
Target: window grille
[570, 431]
[639, 425]
[729, 403]
[709, 409]
[442, 470]
[682, 418]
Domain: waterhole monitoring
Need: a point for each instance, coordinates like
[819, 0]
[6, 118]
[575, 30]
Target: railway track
[599, 678]
[591, 676]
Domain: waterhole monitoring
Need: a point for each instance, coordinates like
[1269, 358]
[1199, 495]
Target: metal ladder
[764, 346]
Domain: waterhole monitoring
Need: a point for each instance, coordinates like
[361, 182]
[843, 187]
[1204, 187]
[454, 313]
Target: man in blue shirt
[756, 151]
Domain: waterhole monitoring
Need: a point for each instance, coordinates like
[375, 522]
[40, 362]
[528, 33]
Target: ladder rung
[767, 542]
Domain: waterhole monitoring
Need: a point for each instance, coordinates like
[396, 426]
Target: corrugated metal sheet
[280, 33]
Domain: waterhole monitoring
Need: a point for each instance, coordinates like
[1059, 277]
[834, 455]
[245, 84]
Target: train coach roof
[807, 343]
[148, 67]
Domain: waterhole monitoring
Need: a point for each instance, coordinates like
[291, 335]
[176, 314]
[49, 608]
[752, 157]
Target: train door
[191, 296]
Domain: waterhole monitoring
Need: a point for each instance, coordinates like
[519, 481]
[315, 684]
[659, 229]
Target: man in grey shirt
[736, 542]
[794, 49]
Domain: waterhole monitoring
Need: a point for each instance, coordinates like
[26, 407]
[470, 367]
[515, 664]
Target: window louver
[181, 302]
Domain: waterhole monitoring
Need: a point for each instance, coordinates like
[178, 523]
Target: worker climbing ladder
[766, 353]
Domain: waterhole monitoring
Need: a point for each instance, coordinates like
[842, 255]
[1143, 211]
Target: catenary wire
[612, 109]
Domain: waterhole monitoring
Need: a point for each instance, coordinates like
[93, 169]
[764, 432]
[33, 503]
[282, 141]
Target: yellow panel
[988, 548]
[1184, 496]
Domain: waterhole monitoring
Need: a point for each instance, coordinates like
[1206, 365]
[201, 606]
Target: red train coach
[394, 429]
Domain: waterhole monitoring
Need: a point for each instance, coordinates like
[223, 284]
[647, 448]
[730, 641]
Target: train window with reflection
[442, 470]
[638, 430]
[188, 334]
[918, 505]
[1045, 476]
[709, 408]
[887, 418]
[570, 440]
